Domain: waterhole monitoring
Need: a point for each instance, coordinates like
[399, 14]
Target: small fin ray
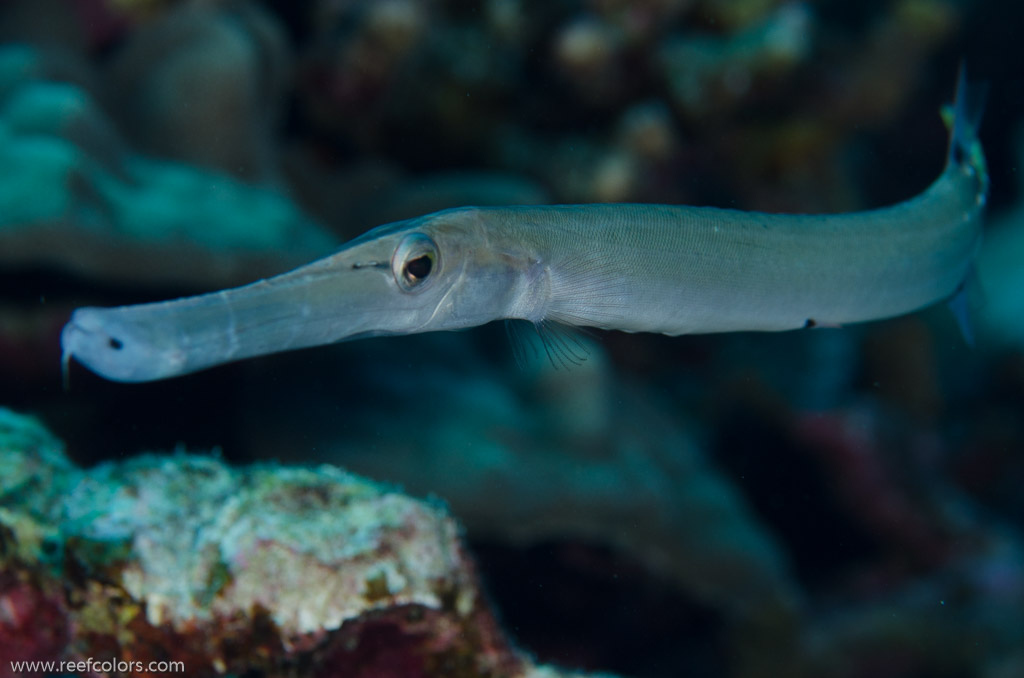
[559, 343]
[524, 347]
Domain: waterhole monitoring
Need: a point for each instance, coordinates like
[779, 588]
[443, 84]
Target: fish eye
[415, 259]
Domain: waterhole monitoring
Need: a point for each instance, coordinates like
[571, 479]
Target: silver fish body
[630, 267]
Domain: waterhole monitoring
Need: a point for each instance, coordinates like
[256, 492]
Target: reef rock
[281, 570]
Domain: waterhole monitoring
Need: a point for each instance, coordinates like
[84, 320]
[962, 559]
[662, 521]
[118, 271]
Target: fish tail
[963, 118]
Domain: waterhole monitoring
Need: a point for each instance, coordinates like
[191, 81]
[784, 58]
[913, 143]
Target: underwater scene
[609, 469]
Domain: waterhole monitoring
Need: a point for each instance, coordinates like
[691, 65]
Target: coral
[268, 568]
[82, 200]
[229, 65]
[707, 75]
[34, 618]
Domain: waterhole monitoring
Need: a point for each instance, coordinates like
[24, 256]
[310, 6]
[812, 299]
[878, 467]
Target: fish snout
[115, 350]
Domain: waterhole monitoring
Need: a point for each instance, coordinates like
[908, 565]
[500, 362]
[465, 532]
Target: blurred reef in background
[808, 504]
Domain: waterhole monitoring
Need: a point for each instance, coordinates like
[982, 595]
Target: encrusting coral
[267, 568]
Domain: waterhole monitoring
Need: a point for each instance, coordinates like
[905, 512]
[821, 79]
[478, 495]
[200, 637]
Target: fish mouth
[106, 343]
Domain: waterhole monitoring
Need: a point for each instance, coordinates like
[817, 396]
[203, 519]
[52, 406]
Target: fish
[668, 269]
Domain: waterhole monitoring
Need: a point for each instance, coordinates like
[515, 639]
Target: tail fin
[963, 118]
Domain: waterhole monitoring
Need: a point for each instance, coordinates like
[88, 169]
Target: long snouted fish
[631, 267]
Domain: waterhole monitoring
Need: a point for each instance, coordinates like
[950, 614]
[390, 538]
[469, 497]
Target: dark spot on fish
[115, 343]
[809, 323]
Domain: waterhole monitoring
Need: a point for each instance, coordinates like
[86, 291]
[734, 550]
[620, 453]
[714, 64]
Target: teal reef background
[827, 503]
